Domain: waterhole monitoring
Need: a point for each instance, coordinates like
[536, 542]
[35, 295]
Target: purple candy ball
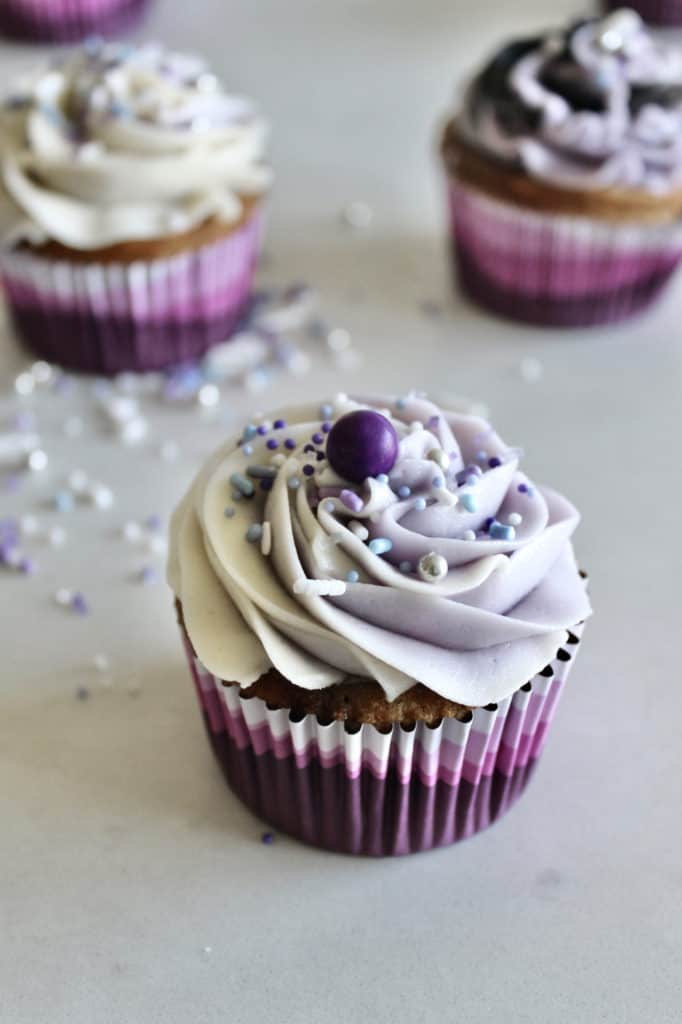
[362, 444]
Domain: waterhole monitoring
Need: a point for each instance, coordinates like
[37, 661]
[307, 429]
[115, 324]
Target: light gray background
[123, 855]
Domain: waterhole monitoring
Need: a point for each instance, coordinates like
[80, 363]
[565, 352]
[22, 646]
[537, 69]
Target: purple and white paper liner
[557, 270]
[655, 12]
[107, 318]
[64, 21]
[373, 792]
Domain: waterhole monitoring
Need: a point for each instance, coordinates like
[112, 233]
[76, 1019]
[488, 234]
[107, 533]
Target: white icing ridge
[117, 144]
[320, 606]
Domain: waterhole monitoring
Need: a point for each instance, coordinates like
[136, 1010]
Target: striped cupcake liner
[557, 270]
[357, 789]
[656, 12]
[68, 21]
[107, 318]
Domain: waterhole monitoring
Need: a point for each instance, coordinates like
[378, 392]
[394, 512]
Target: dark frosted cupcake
[380, 611]
[131, 208]
[656, 12]
[565, 175]
[64, 21]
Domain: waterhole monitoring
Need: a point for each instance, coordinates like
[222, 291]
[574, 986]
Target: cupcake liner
[365, 791]
[656, 12]
[106, 318]
[64, 21]
[557, 270]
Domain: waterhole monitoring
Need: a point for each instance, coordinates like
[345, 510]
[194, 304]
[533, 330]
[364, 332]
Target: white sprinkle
[350, 359]
[73, 426]
[169, 451]
[37, 460]
[56, 536]
[441, 458]
[101, 496]
[531, 369]
[360, 531]
[416, 426]
[41, 372]
[445, 497]
[63, 596]
[78, 481]
[24, 384]
[320, 588]
[515, 519]
[132, 532]
[339, 339]
[134, 430]
[121, 409]
[101, 663]
[357, 214]
[208, 395]
[299, 363]
[469, 535]
[266, 539]
[157, 545]
[29, 525]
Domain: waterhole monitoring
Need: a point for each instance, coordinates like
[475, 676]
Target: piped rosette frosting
[595, 106]
[450, 568]
[116, 144]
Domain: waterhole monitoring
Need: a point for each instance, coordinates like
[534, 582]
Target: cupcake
[130, 208]
[63, 21]
[379, 611]
[565, 175]
[656, 12]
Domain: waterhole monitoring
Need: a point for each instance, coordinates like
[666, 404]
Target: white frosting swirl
[495, 619]
[116, 144]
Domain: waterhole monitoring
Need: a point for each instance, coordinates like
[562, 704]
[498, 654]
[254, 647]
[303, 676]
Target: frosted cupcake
[62, 21]
[380, 611]
[130, 208]
[656, 12]
[565, 175]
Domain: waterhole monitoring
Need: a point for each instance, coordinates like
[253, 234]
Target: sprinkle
[267, 838]
[523, 488]
[357, 214]
[381, 478]
[380, 545]
[401, 403]
[249, 432]
[405, 568]
[56, 536]
[432, 567]
[208, 395]
[352, 576]
[473, 469]
[101, 496]
[499, 531]
[318, 438]
[326, 411]
[28, 566]
[266, 485]
[63, 597]
[78, 481]
[351, 500]
[494, 462]
[254, 533]
[79, 604]
[404, 491]
[308, 448]
[37, 460]
[157, 545]
[266, 539]
[419, 505]
[24, 384]
[229, 512]
[329, 506]
[247, 449]
[320, 588]
[132, 532]
[469, 535]
[262, 430]
[469, 502]
[82, 693]
[272, 444]
[278, 460]
[243, 485]
[279, 424]
[447, 498]
[359, 530]
[293, 483]
[326, 427]
[482, 456]
[261, 472]
[531, 369]
[308, 470]
[28, 525]
[438, 482]
[148, 575]
[339, 339]
[101, 663]
[514, 519]
[441, 458]
[153, 523]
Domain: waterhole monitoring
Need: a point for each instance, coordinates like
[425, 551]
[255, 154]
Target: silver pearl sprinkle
[432, 567]
[617, 29]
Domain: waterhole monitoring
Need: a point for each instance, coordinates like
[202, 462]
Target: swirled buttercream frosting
[375, 538]
[117, 144]
[598, 105]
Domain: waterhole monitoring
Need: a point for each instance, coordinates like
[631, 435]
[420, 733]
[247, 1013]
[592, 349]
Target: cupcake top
[383, 539]
[597, 105]
[116, 144]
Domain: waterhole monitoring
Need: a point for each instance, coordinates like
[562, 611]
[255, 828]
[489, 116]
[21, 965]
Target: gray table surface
[133, 887]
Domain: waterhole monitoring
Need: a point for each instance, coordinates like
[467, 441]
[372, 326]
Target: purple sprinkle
[494, 462]
[489, 522]
[308, 470]
[290, 443]
[149, 575]
[12, 483]
[272, 444]
[433, 421]
[82, 693]
[279, 424]
[6, 549]
[79, 604]
[318, 438]
[262, 430]
[320, 456]
[326, 427]
[267, 838]
[266, 484]
[153, 522]
[523, 488]
[28, 566]
[352, 500]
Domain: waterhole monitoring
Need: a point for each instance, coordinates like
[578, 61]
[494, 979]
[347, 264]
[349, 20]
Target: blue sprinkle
[248, 449]
[471, 481]
[293, 483]
[401, 403]
[229, 512]
[261, 472]
[404, 491]
[254, 533]
[63, 501]
[329, 506]
[326, 411]
[469, 501]
[499, 531]
[438, 482]
[380, 545]
[243, 485]
[352, 576]
[482, 456]
[381, 478]
[153, 522]
[420, 504]
[249, 432]
[405, 567]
